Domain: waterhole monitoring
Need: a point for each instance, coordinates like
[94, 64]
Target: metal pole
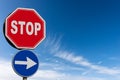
[24, 78]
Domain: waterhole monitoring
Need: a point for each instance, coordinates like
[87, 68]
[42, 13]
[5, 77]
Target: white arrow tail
[29, 63]
[21, 62]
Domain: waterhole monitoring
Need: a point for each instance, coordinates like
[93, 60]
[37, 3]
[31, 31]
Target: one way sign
[25, 63]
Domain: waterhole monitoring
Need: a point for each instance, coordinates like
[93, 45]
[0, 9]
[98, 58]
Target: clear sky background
[82, 40]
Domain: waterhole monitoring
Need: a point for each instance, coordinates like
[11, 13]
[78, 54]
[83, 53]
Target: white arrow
[30, 63]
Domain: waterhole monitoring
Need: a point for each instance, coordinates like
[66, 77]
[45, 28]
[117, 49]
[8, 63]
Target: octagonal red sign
[25, 28]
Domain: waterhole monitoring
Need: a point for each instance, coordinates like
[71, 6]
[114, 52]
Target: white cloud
[48, 75]
[7, 73]
[82, 61]
[54, 46]
[60, 67]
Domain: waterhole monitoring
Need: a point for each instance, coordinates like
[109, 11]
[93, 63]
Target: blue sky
[82, 39]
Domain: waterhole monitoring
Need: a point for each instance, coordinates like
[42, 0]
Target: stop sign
[25, 28]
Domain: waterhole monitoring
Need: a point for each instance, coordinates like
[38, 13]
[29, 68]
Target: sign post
[24, 78]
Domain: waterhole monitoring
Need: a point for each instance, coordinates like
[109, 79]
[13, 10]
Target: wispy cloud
[60, 67]
[7, 73]
[82, 61]
[54, 74]
[55, 48]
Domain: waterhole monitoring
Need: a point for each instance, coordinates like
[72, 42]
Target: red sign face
[25, 28]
